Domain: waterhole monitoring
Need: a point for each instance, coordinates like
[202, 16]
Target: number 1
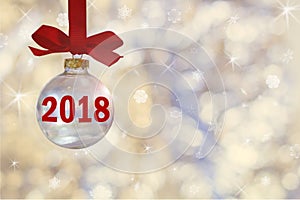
[84, 101]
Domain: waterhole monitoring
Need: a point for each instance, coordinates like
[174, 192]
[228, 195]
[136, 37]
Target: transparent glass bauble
[75, 109]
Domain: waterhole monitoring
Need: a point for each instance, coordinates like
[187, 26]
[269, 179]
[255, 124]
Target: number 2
[46, 117]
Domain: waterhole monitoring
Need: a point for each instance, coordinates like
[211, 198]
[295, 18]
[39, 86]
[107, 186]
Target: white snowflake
[137, 186]
[248, 141]
[194, 189]
[124, 135]
[272, 81]
[198, 155]
[54, 183]
[194, 50]
[3, 40]
[192, 109]
[133, 179]
[82, 152]
[266, 137]
[30, 62]
[62, 19]
[288, 56]
[197, 75]
[25, 33]
[295, 151]
[85, 151]
[245, 105]
[102, 191]
[213, 126]
[175, 114]
[145, 25]
[174, 16]
[140, 96]
[233, 19]
[265, 180]
[124, 12]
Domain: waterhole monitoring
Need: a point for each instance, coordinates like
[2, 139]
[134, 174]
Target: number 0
[71, 109]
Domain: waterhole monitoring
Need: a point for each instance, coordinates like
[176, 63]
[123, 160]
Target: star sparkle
[168, 67]
[287, 12]
[25, 15]
[91, 4]
[147, 148]
[14, 164]
[241, 189]
[243, 91]
[233, 61]
[18, 98]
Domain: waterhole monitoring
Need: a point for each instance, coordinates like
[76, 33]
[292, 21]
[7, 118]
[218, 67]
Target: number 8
[101, 109]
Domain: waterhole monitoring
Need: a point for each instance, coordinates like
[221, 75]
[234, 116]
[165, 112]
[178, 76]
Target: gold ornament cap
[75, 63]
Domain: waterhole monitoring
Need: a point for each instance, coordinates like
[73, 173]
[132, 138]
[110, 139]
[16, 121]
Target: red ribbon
[99, 46]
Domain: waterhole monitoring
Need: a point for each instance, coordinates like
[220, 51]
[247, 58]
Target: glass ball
[75, 109]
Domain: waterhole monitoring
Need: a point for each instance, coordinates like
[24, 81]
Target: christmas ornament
[75, 110]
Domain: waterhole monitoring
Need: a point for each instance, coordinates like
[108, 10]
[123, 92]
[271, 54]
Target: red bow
[99, 46]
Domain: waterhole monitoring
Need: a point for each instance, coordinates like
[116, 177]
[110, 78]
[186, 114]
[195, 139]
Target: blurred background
[248, 146]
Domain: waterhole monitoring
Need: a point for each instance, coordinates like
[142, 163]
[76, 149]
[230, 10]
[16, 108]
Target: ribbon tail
[108, 39]
[102, 45]
[39, 52]
[107, 58]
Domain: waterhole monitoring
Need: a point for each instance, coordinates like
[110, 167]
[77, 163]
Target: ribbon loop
[99, 46]
[51, 38]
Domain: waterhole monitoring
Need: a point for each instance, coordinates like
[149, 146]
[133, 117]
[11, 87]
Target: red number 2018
[69, 117]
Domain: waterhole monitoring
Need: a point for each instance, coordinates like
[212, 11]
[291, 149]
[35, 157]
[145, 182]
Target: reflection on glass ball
[75, 109]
